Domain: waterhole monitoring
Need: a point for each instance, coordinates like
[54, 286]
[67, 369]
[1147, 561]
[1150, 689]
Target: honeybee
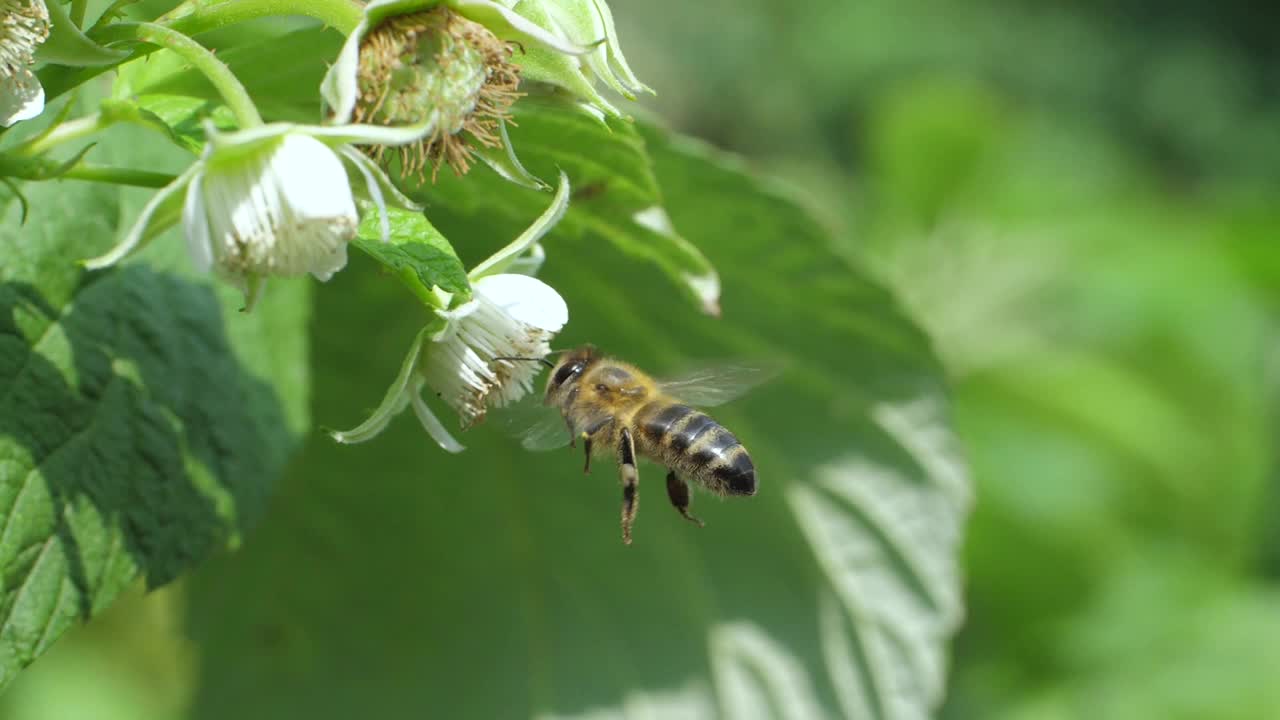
[617, 409]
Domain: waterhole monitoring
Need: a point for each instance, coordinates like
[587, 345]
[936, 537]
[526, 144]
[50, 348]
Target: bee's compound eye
[566, 372]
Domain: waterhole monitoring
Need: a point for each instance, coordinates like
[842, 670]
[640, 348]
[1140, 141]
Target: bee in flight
[616, 408]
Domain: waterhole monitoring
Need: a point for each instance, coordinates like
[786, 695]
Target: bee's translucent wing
[539, 427]
[535, 425]
[548, 433]
[716, 385]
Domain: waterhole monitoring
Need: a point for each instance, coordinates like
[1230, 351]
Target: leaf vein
[35, 466]
[25, 585]
[26, 363]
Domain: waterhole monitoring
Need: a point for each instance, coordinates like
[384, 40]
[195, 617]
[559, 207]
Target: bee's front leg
[586, 439]
[568, 404]
[630, 482]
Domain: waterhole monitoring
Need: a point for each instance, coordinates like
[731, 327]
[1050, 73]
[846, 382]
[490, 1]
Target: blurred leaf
[142, 419]
[1170, 639]
[616, 198]
[494, 583]
[283, 88]
[184, 115]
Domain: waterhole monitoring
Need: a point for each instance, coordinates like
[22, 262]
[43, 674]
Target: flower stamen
[24, 25]
[436, 65]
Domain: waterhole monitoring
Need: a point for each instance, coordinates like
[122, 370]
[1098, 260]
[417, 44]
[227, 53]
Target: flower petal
[281, 208]
[431, 423]
[196, 227]
[133, 240]
[527, 299]
[21, 97]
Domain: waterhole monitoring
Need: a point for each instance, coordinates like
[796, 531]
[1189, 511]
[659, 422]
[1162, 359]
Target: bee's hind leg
[678, 492]
[630, 482]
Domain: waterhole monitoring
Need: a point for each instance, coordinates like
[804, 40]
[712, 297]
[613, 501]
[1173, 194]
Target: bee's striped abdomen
[692, 442]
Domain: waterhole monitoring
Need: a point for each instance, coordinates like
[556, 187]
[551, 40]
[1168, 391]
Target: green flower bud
[448, 66]
[438, 67]
[582, 22]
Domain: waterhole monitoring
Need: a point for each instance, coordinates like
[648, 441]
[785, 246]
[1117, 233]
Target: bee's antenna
[544, 361]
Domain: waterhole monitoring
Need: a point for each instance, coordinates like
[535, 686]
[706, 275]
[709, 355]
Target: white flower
[24, 25]
[273, 200]
[284, 210]
[509, 315]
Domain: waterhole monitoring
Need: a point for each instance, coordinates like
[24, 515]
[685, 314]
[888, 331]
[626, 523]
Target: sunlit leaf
[494, 583]
[415, 251]
[616, 198]
[143, 419]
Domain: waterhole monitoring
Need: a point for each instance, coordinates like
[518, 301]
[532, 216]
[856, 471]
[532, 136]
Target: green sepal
[68, 45]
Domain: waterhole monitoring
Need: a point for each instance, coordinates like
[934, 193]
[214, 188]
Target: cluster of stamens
[436, 63]
[24, 24]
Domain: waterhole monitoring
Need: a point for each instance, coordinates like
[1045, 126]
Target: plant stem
[64, 132]
[200, 57]
[342, 15]
[118, 175]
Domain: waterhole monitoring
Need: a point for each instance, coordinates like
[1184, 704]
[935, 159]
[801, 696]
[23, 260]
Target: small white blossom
[24, 25]
[274, 200]
[509, 315]
[285, 210]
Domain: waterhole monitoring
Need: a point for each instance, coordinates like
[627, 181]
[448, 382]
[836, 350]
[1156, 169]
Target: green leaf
[183, 115]
[416, 252]
[281, 71]
[406, 581]
[616, 198]
[143, 419]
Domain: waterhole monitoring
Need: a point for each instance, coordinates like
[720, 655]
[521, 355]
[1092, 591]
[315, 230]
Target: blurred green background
[1081, 205]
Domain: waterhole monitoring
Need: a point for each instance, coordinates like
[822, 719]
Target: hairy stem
[63, 133]
[202, 59]
[342, 15]
[118, 175]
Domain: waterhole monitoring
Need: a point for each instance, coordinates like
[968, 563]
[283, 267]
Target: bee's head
[568, 371]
